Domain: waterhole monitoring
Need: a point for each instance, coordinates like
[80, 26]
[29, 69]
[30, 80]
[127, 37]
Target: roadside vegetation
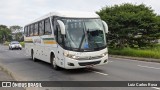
[134, 30]
[22, 43]
[11, 33]
[153, 52]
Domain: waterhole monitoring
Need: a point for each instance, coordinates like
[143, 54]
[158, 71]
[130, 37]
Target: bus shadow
[68, 71]
[82, 70]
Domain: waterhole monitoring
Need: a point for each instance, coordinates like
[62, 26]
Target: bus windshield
[84, 34]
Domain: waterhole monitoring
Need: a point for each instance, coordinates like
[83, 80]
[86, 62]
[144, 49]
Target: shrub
[6, 43]
[22, 43]
[146, 53]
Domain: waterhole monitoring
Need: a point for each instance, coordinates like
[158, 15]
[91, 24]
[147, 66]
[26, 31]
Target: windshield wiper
[90, 36]
[81, 42]
[96, 44]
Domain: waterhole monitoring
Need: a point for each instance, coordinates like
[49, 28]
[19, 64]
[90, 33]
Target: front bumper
[16, 47]
[73, 64]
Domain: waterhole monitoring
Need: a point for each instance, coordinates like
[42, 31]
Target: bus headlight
[67, 54]
[71, 56]
[104, 54]
[75, 57]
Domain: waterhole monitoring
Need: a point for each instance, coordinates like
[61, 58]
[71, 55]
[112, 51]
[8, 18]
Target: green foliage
[17, 34]
[15, 28]
[149, 53]
[6, 43]
[131, 25]
[5, 34]
[22, 43]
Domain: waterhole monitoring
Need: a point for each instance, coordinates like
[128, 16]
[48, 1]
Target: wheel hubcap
[53, 62]
[32, 55]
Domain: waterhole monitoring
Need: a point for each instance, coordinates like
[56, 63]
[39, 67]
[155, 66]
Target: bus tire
[32, 55]
[53, 62]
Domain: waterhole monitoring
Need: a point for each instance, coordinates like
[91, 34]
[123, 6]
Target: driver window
[59, 35]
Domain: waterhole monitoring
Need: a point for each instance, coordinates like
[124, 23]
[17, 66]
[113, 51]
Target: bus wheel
[53, 63]
[32, 55]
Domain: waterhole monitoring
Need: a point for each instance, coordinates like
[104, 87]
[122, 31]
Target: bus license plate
[89, 66]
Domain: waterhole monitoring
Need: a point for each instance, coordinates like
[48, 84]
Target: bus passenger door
[60, 50]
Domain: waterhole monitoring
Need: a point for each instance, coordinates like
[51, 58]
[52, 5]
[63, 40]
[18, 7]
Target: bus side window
[55, 28]
[25, 30]
[59, 35]
[31, 29]
[36, 29]
[47, 27]
[41, 27]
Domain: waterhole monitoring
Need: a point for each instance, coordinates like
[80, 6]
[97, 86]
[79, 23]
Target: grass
[22, 43]
[153, 52]
[6, 43]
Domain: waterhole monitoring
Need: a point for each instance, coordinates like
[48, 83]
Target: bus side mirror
[62, 27]
[105, 26]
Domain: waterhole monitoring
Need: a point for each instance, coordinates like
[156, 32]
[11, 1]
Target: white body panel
[44, 45]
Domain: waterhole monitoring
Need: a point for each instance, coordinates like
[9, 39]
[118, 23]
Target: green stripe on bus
[28, 41]
[48, 38]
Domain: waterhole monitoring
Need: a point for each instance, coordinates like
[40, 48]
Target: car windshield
[14, 42]
[84, 34]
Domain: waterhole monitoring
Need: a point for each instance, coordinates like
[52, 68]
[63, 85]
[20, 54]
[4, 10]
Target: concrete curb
[136, 58]
[15, 77]
[7, 71]
[3, 68]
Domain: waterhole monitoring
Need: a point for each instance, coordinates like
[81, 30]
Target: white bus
[68, 39]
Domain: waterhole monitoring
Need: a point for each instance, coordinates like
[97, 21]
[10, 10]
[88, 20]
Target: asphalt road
[24, 69]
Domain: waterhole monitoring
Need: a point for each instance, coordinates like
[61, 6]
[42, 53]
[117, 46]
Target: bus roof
[68, 14]
[74, 14]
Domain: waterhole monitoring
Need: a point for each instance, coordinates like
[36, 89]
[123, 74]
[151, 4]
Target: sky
[21, 12]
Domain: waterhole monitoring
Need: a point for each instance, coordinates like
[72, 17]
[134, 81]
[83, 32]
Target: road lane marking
[26, 55]
[148, 67]
[17, 53]
[98, 72]
[155, 88]
[110, 61]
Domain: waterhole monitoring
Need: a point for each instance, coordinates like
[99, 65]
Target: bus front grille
[89, 58]
[89, 63]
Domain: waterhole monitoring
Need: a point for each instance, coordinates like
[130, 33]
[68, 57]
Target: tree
[16, 28]
[158, 27]
[130, 25]
[17, 32]
[5, 34]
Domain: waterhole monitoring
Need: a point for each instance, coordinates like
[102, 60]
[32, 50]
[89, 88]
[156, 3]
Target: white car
[15, 45]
